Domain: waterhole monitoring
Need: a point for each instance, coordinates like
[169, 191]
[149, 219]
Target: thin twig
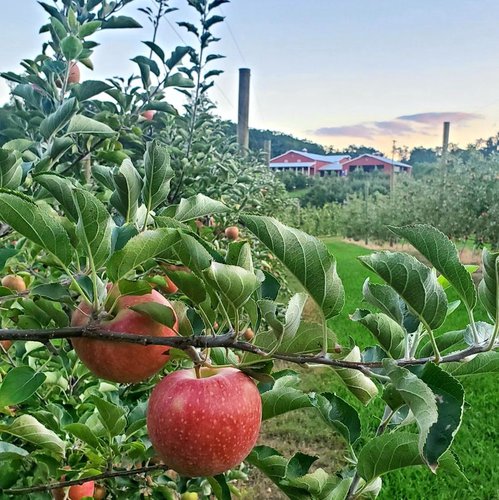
[104, 475]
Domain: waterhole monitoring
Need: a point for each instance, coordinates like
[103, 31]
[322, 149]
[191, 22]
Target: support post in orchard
[243, 109]
[267, 150]
[445, 141]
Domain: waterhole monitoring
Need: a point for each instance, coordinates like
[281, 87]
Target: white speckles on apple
[218, 426]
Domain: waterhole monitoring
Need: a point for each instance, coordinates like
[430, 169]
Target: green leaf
[83, 433]
[306, 257]
[5, 255]
[189, 284]
[71, 47]
[128, 184]
[94, 228]
[11, 452]
[283, 397]
[385, 298]
[89, 28]
[388, 452]
[288, 329]
[179, 80]
[19, 384]
[19, 145]
[61, 188]
[198, 206]
[111, 416]
[417, 396]
[11, 171]
[37, 224]
[483, 331]
[163, 106]
[307, 340]
[361, 386]
[234, 283]
[444, 341]
[157, 312]
[177, 55]
[120, 22]
[443, 255]
[220, 487]
[156, 49]
[413, 281]
[280, 470]
[338, 414]
[54, 122]
[393, 451]
[489, 286]
[139, 250]
[486, 362]
[158, 175]
[387, 331]
[88, 89]
[449, 394]
[28, 428]
[81, 124]
[192, 253]
[239, 254]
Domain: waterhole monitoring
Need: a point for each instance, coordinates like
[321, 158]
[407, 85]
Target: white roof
[292, 164]
[334, 166]
[315, 157]
[383, 158]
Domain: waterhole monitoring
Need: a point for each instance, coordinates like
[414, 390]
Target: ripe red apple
[74, 73]
[76, 492]
[120, 361]
[232, 233]
[148, 115]
[204, 426]
[15, 283]
[6, 344]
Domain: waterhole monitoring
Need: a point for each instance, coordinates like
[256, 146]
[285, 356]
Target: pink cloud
[435, 118]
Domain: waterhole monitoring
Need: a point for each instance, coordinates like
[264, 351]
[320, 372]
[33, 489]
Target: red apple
[148, 115]
[76, 492]
[120, 361]
[14, 282]
[204, 426]
[232, 233]
[74, 73]
[6, 344]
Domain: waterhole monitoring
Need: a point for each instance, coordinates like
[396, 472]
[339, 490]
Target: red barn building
[309, 163]
[374, 163]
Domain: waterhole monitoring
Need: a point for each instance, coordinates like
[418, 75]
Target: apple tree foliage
[92, 194]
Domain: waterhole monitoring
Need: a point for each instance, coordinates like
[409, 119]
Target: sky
[337, 72]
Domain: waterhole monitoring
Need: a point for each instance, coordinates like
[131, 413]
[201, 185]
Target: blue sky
[335, 71]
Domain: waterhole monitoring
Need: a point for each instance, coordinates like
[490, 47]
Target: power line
[231, 33]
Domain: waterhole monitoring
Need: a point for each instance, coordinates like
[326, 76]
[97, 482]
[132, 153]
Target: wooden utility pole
[392, 171]
[243, 109]
[267, 150]
[445, 142]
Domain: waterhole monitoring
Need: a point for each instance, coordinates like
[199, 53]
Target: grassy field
[476, 444]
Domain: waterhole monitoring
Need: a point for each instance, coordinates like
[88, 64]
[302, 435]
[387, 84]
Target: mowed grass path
[476, 444]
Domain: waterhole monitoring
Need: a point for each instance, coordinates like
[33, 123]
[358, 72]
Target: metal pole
[243, 109]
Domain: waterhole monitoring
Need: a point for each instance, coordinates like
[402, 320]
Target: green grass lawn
[476, 443]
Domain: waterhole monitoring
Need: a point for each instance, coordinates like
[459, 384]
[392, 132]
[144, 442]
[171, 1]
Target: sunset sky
[334, 71]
